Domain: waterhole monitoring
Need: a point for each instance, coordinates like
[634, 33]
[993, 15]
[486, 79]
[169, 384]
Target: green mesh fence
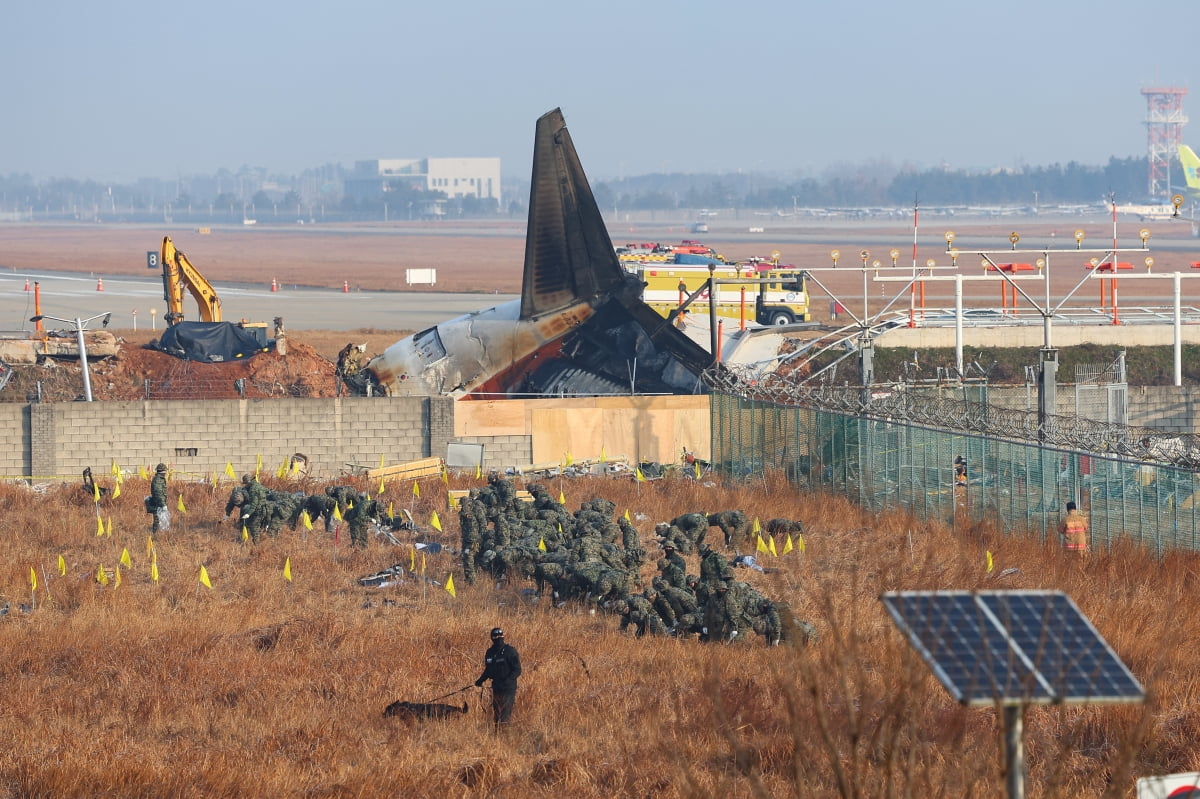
[882, 464]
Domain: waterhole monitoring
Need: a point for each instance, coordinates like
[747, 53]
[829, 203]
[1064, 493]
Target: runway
[138, 303]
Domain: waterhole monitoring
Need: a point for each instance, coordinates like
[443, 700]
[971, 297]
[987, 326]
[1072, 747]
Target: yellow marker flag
[627, 515]
[422, 563]
[287, 569]
[757, 527]
[381, 460]
[478, 471]
[306, 520]
[101, 575]
[696, 465]
[142, 472]
[116, 578]
[562, 500]
[559, 525]
[445, 475]
[435, 522]
[117, 490]
[381, 487]
[800, 542]
[245, 534]
[542, 544]
[787, 545]
[180, 505]
[62, 566]
[32, 579]
[641, 478]
[391, 515]
[416, 489]
[99, 526]
[450, 586]
[154, 570]
[603, 457]
[204, 581]
[114, 470]
[95, 491]
[229, 470]
[281, 470]
[989, 561]
[149, 546]
[257, 463]
[349, 505]
[337, 513]
[108, 527]
[367, 496]
[761, 546]
[412, 558]
[126, 561]
[771, 546]
[570, 460]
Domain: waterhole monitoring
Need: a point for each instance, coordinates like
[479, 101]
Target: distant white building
[454, 177]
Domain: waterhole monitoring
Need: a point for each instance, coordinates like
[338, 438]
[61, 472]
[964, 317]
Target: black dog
[423, 710]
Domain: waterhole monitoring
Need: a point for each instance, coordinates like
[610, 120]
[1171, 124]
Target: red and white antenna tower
[1164, 133]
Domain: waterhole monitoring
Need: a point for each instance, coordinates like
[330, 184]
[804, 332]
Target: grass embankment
[264, 687]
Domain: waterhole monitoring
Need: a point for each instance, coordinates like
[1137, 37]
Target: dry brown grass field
[264, 687]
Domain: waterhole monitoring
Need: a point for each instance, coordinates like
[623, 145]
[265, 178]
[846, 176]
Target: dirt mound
[137, 373]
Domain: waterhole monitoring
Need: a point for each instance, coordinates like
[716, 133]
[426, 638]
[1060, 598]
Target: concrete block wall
[14, 440]
[198, 437]
[500, 452]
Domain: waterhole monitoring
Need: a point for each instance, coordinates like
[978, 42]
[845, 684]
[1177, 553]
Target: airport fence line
[885, 461]
[191, 386]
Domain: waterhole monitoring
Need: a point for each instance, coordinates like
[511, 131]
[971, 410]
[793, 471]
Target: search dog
[420, 711]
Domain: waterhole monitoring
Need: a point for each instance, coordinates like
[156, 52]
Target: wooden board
[425, 467]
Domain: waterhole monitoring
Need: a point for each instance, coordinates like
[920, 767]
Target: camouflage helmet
[162, 467]
[722, 585]
[246, 478]
[497, 633]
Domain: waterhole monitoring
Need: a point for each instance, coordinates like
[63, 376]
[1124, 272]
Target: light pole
[80, 326]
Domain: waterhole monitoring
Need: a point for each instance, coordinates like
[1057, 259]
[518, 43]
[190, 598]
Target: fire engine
[774, 295]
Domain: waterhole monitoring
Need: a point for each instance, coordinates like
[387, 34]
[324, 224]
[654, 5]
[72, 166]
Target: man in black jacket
[501, 665]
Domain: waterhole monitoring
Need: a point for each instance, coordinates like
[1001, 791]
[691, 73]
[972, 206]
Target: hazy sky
[126, 89]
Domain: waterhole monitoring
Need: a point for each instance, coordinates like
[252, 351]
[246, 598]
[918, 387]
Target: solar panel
[1012, 647]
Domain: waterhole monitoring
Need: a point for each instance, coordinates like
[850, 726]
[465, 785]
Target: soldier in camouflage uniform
[671, 573]
[257, 510]
[158, 496]
[684, 606]
[359, 517]
[713, 566]
[469, 527]
[237, 497]
[343, 495]
[674, 557]
[636, 610]
[661, 606]
[316, 506]
[284, 505]
[694, 527]
[733, 523]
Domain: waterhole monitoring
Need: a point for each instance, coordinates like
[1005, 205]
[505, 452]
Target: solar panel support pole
[1014, 751]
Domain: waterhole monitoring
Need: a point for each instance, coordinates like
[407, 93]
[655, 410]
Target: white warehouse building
[454, 177]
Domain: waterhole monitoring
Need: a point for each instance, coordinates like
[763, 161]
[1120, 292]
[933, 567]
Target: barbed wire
[906, 404]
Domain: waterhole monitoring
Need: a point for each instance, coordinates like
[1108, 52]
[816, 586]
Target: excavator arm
[178, 273]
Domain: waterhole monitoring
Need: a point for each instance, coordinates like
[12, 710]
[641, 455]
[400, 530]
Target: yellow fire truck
[773, 296]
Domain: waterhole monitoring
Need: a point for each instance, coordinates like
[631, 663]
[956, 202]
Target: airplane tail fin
[569, 256]
[1191, 167]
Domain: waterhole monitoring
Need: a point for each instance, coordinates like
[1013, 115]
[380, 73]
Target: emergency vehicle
[781, 297]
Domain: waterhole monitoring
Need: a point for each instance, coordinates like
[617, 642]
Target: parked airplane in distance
[1191, 170]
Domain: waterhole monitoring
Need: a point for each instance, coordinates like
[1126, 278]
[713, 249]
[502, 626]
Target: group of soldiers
[262, 510]
[593, 557]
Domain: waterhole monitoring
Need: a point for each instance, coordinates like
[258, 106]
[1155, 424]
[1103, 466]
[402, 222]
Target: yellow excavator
[178, 274]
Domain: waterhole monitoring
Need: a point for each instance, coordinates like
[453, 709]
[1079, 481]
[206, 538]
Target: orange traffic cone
[345, 286]
[99, 284]
[27, 284]
[274, 285]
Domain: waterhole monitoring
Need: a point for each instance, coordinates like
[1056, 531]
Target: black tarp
[210, 342]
